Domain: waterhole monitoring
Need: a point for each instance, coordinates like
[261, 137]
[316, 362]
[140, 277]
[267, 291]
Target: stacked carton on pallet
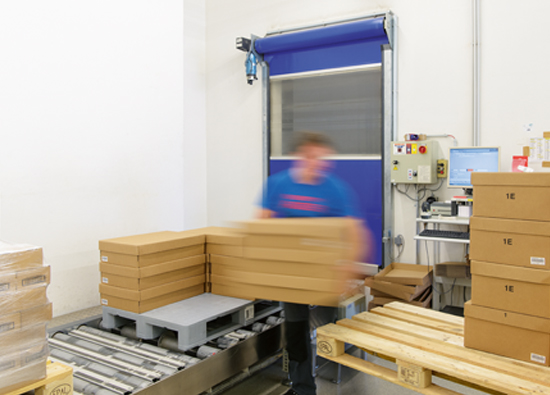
[24, 314]
[509, 313]
[401, 282]
[222, 244]
[144, 272]
[300, 260]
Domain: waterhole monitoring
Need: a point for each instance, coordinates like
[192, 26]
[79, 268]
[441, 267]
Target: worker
[308, 189]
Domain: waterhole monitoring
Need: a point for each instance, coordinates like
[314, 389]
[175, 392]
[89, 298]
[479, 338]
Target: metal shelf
[446, 220]
[442, 239]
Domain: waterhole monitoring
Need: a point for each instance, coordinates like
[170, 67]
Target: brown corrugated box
[453, 269]
[299, 269]
[223, 235]
[8, 282]
[25, 318]
[141, 306]
[511, 288]
[405, 273]
[151, 243]
[281, 254]
[152, 270]
[513, 335]
[276, 280]
[38, 276]
[143, 283]
[295, 243]
[221, 249]
[138, 261]
[324, 228]
[513, 242]
[20, 338]
[19, 256]
[24, 299]
[405, 292]
[512, 195]
[151, 293]
[228, 287]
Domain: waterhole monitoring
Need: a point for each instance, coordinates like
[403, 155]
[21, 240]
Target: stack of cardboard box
[401, 282]
[144, 272]
[509, 313]
[24, 314]
[222, 244]
[300, 260]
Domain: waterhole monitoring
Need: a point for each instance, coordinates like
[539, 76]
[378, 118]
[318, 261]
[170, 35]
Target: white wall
[91, 122]
[435, 74]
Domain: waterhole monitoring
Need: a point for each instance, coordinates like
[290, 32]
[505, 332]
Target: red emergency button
[422, 149]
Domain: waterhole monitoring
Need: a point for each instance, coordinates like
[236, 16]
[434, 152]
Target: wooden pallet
[423, 343]
[58, 381]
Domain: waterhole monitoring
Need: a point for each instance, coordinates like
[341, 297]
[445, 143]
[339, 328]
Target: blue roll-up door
[339, 47]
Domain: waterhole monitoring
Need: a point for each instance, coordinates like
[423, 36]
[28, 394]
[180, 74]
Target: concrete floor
[268, 382]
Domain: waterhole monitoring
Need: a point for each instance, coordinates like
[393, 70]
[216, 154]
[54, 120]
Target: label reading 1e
[511, 196]
[507, 241]
[509, 288]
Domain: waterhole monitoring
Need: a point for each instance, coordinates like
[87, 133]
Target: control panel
[414, 162]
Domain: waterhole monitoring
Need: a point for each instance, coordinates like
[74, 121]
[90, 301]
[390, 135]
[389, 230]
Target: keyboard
[445, 234]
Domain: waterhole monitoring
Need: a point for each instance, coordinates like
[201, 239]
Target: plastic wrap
[24, 365]
[19, 256]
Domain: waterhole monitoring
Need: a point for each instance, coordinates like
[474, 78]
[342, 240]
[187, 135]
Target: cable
[433, 287]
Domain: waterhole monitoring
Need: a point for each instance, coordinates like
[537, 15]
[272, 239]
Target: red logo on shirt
[304, 203]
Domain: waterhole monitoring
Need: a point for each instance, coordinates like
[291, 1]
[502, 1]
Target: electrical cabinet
[414, 162]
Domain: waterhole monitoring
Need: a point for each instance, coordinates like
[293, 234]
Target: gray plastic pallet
[189, 318]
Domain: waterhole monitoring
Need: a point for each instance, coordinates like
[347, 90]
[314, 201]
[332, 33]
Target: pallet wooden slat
[420, 352]
[58, 380]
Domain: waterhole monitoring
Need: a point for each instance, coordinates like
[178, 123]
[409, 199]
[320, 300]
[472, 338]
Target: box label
[4, 287]
[538, 358]
[105, 280]
[34, 280]
[105, 302]
[8, 326]
[538, 261]
[104, 258]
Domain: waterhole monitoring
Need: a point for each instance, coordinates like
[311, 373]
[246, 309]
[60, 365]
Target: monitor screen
[463, 161]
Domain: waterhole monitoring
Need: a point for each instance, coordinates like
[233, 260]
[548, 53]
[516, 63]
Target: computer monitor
[463, 161]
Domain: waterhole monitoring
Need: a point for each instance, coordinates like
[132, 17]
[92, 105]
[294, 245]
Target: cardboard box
[36, 315]
[19, 256]
[143, 283]
[280, 254]
[277, 280]
[223, 235]
[296, 243]
[22, 319]
[513, 242]
[143, 260]
[36, 277]
[405, 273]
[336, 228]
[511, 288]
[220, 249]
[251, 292]
[400, 291]
[152, 270]
[506, 333]
[142, 306]
[8, 282]
[12, 302]
[151, 243]
[453, 269]
[154, 292]
[299, 269]
[512, 195]
[18, 339]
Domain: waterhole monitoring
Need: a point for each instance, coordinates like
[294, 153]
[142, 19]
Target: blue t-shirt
[330, 197]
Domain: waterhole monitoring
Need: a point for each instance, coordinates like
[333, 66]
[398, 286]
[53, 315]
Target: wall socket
[398, 240]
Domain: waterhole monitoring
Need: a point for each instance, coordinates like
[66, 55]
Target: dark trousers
[299, 319]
